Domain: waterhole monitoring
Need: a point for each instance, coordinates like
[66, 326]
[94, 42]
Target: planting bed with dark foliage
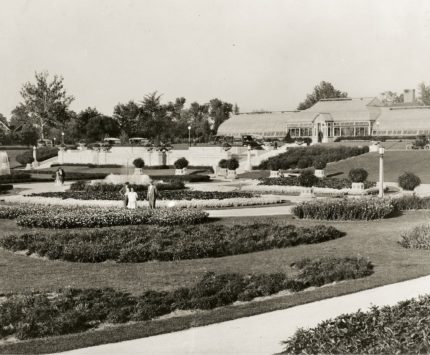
[332, 183]
[5, 188]
[307, 156]
[69, 311]
[145, 243]
[40, 216]
[400, 329]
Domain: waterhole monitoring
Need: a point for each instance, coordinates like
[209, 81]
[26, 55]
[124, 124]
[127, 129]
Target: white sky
[261, 54]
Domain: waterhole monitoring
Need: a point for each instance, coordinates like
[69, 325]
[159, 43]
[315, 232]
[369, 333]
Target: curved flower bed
[400, 329]
[83, 217]
[345, 209]
[141, 244]
[70, 311]
[214, 203]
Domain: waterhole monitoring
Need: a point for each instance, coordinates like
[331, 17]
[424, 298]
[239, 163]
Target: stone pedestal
[307, 192]
[231, 174]
[275, 174]
[181, 171]
[138, 171]
[320, 173]
[28, 166]
[357, 186]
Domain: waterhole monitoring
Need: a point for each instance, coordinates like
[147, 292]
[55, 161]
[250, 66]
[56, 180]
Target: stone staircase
[47, 163]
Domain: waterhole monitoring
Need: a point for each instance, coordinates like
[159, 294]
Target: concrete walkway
[250, 212]
[262, 334]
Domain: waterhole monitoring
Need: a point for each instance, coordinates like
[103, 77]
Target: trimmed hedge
[409, 181]
[399, 329]
[41, 155]
[141, 244]
[416, 238]
[307, 156]
[411, 203]
[358, 175]
[332, 183]
[88, 165]
[67, 311]
[5, 188]
[163, 195]
[345, 209]
[181, 163]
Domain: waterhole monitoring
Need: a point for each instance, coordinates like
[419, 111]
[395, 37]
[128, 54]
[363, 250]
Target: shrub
[15, 177]
[358, 175]
[188, 178]
[320, 164]
[416, 238]
[5, 188]
[181, 163]
[273, 165]
[331, 183]
[139, 163]
[307, 178]
[232, 164]
[142, 244]
[345, 209]
[399, 329]
[409, 181]
[411, 203]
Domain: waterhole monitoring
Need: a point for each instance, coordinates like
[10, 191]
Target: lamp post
[189, 136]
[381, 171]
[248, 162]
[54, 141]
[62, 138]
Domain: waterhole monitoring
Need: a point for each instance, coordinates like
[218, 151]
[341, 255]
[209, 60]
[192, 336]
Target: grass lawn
[376, 240]
[395, 163]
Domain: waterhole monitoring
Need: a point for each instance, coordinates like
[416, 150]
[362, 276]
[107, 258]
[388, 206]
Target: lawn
[395, 163]
[376, 240]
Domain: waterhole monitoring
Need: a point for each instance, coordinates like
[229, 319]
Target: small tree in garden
[181, 163]
[409, 181]
[232, 164]
[307, 178]
[223, 164]
[358, 175]
[139, 163]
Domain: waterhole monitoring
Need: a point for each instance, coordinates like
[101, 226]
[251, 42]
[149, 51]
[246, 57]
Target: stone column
[35, 162]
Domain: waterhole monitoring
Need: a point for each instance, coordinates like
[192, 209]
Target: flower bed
[403, 203]
[345, 209]
[164, 195]
[416, 238]
[69, 311]
[141, 244]
[331, 183]
[5, 188]
[400, 329]
[307, 156]
[107, 188]
[84, 217]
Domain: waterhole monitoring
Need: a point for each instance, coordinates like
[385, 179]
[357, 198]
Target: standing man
[124, 192]
[152, 195]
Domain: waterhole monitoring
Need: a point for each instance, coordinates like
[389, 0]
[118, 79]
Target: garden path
[262, 334]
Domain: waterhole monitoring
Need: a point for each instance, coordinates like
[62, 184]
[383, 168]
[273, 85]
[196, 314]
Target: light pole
[189, 136]
[62, 138]
[381, 172]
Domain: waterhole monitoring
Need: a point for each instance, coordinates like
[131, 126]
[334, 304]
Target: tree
[127, 116]
[236, 109]
[46, 101]
[100, 127]
[3, 119]
[219, 112]
[424, 93]
[82, 120]
[154, 118]
[29, 134]
[19, 116]
[389, 98]
[324, 90]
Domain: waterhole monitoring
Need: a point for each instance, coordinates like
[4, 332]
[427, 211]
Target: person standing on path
[124, 192]
[152, 195]
[132, 199]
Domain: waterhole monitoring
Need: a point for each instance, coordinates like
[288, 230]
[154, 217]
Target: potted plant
[232, 165]
[222, 164]
[319, 166]
[181, 166]
[274, 167]
[358, 176]
[139, 164]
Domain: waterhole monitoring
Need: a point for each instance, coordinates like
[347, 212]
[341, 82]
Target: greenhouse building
[329, 119]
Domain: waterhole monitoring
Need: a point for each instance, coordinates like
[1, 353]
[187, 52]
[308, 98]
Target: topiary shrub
[307, 178]
[320, 164]
[25, 158]
[273, 165]
[223, 164]
[181, 163]
[409, 181]
[232, 164]
[358, 175]
[139, 163]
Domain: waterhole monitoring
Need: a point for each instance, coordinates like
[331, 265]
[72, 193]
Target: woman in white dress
[58, 178]
[132, 199]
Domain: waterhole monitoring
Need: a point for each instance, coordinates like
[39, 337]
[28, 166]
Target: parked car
[44, 143]
[422, 142]
[139, 140]
[112, 141]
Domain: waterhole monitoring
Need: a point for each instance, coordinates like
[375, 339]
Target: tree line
[44, 112]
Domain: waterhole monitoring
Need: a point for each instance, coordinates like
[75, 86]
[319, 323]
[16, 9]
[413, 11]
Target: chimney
[409, 96]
